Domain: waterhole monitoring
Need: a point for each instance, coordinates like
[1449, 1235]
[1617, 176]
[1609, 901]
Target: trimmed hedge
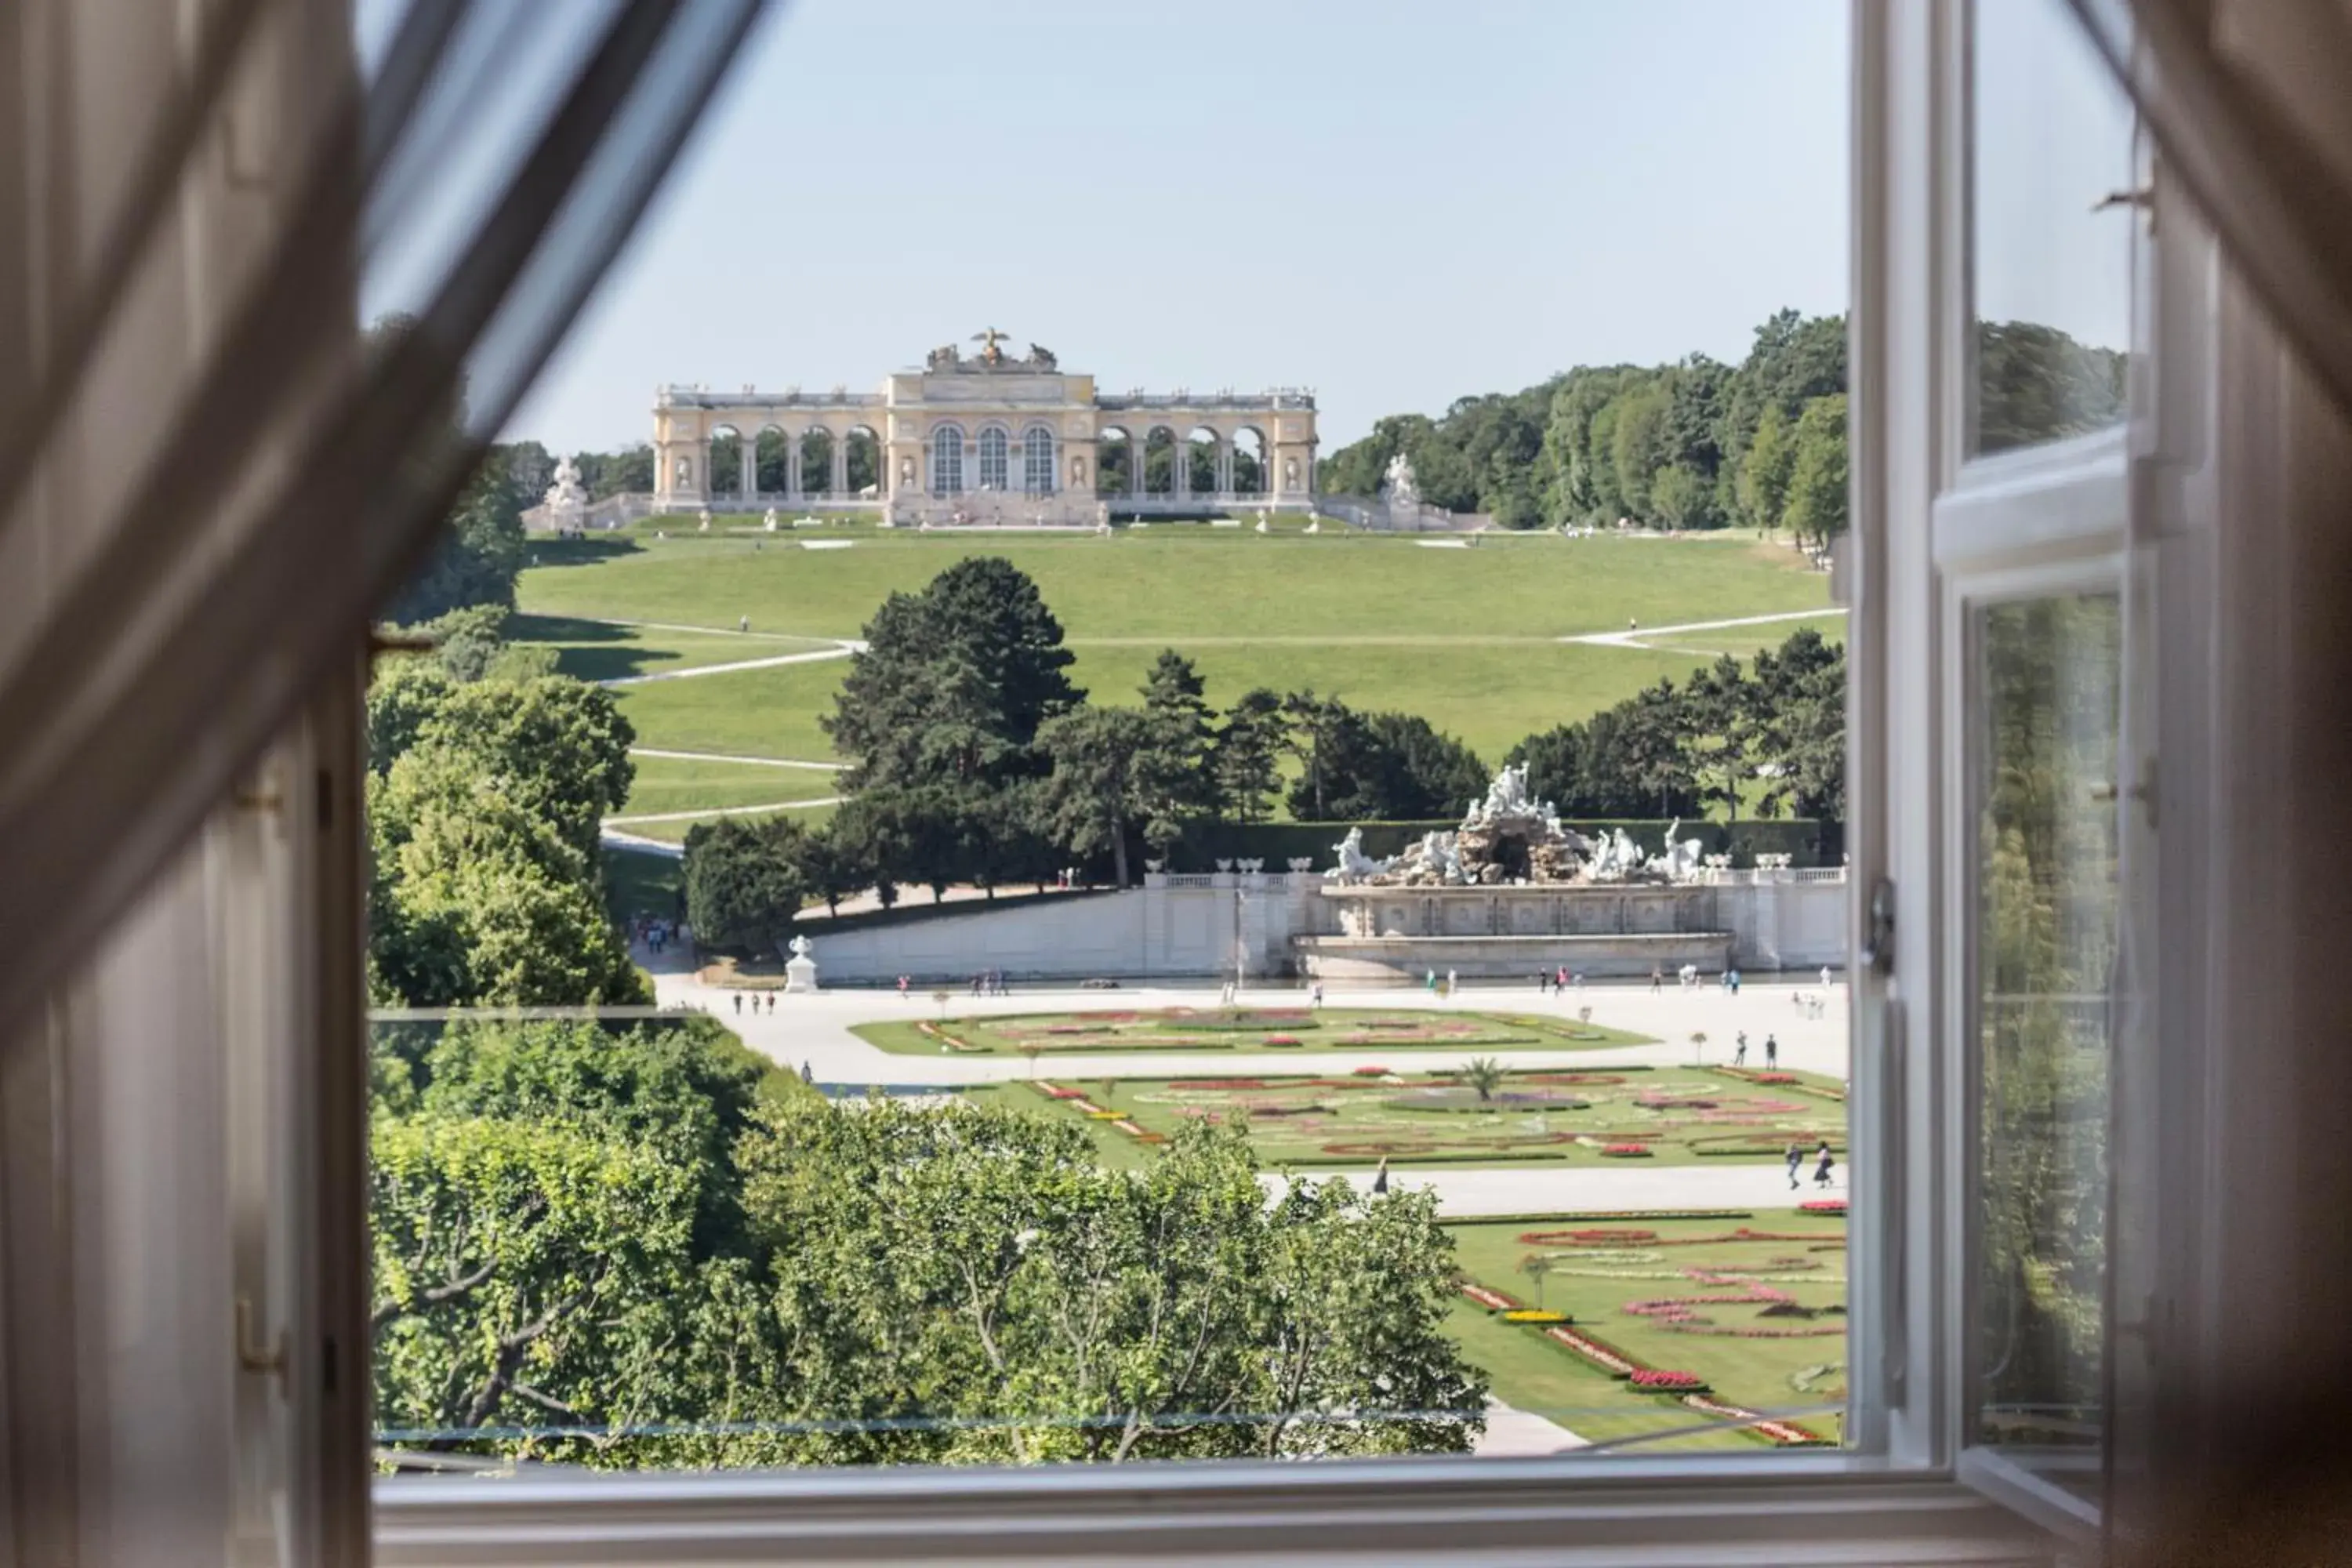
[914, 904]
[1814, 843]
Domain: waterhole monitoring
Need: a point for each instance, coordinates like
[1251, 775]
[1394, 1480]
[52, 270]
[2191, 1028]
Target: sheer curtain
[2248, 102]
[474, 165]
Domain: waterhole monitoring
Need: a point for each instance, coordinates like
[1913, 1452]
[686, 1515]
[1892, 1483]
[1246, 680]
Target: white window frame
[1037, 460]
[947, 459]
[995, 458]
[1895, 1494]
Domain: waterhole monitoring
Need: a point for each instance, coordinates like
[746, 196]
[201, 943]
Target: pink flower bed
[1218, 1083]
[1493, 1300]
[1372, 1072]
[1823, 1205]
[1626, 1152]
[1788, 1433]
[1609, 1358]
[1554, 1237]
[1282, 1039]
[1652, 1380]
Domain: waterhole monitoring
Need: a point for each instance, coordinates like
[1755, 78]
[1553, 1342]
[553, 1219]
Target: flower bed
[1534, 1315]
[1823, 1205]
[1276, 1042]
[1554, 1237]
[1786, 1434]
[1624, 1152]
[1493, 1300]
[1654, 1380]
[1219, 1083]
[1608, 1358]
[1372, 1072]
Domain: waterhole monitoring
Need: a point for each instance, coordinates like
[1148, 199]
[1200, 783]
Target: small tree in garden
[942, 998]
[1698, 1044]
[1483, 1074]
[1584, 1015]
[1537, 1267]
[1032, 1050]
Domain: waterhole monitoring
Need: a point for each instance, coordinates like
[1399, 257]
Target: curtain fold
[2250, 102]
[305, 471]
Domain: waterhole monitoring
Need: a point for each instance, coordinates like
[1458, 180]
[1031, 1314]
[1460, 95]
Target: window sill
[1830, 1509]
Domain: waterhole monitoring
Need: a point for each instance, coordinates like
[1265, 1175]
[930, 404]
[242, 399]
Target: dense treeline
[1699, 443]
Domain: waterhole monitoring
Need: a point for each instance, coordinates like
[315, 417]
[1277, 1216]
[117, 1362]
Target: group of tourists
[1772, 1050]
[1820, 1172]
[755, 1003]
[1429, 982]
[654, 935]
[1555, 983]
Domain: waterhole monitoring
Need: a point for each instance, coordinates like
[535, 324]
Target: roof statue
[989, 338]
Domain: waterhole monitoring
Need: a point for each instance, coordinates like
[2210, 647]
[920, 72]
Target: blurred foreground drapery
[2247, 102]
[201, 572]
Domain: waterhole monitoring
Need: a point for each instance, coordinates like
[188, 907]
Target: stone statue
[566, 502]
[1355, 866]
[769, 520]
[991, 341]
[1403, 490]
[942, 359]
[1681, 859]
[1043, 357]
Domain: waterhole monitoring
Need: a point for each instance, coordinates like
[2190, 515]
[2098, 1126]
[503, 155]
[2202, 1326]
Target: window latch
[269, 1358]
[1878, 936]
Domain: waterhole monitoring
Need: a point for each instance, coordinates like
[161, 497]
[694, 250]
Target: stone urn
[800, 971]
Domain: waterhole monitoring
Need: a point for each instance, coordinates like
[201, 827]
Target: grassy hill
[1468, 637]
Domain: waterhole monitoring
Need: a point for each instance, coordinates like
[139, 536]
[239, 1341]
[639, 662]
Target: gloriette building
[985, 438]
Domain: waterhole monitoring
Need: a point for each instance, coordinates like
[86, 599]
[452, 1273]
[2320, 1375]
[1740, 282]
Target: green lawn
[767, 713]
[679, 784]
[1187, 1028]
[1566, 1114]
[676, 830]
[1466, 637]
[600, 650]
[1793, 1356]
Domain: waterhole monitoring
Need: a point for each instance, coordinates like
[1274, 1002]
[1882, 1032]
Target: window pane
[2048, 674]
[2052, 257]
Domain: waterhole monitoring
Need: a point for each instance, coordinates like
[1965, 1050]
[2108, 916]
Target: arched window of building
[947, 460]
[995, 467]
[1037, 461]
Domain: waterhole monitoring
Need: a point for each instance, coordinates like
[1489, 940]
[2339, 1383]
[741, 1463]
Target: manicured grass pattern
[1752, 1308]
[1468, 639]
[1196, 1029]
[1576, 1115]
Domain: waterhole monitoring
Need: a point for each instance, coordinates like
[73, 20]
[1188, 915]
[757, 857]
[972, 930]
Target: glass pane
[2050, 254]
[2048, 673]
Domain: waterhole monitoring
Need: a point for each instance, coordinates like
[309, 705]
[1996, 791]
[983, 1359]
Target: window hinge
[268, 1358]
[1878, 935]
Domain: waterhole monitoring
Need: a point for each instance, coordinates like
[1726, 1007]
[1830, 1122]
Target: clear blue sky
[1394, 203]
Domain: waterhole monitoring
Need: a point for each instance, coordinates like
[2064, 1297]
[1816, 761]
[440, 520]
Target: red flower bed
[1651, 1380]
[1626, 1152]
[1775, 1078]
[1555, 1237]
[1219, 1083]
[1058, 1092]
[1493, 1300]
[1282, 1039]
[1823, 1205]
[1787, 1434]
[1372, 1072]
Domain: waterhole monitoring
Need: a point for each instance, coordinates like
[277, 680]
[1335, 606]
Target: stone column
[840, 465]
[1138, 448]
[750, 476]
[1225, 467]
[1180, 465]
[793, 468]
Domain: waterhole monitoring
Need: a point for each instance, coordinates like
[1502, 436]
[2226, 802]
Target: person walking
[1739, 1050]
[1772, 1050]
[1317, 995]
[902, 988]
[1429, 982]
[1735, 982]
[772, 1003]
[738, 1004]
[1825, 976]
[1381, 1176]
[1453, 983]
[1658, 978]
[1821, 1174]
[1796, 1158]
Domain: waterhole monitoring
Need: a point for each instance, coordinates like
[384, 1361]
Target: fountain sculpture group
[1513, 890]
[1511, 837]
